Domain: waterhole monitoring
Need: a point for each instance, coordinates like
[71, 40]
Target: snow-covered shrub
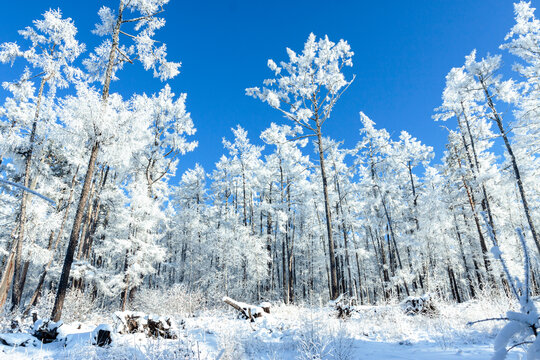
[78, 306]
[344, 306]
[522, 326]
[180, 349]
[230, 346]
[341, 345]
[44, 305]
[313, 343]
[175, 300]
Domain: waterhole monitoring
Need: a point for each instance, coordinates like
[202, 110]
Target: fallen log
[248, 311]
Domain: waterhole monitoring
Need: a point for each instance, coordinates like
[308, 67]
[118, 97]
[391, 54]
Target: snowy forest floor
[294, 332]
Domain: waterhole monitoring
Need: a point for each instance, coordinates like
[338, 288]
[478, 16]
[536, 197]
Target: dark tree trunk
[74, 238]
[334, 292]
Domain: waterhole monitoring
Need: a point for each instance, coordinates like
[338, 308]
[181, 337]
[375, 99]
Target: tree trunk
[391, 228]
[464, 259]
[515, 167]
[125, 292]
[334, 292]
[74, 237]
[483, 246]
[345, 237]
[269, 241]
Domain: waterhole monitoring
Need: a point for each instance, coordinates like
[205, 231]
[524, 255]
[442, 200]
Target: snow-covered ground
[290, 332]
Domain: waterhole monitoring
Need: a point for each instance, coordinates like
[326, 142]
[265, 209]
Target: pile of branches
[415, 305]
[344, 306]
[130, 322]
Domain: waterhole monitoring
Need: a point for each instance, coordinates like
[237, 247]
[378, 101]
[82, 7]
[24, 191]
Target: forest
[95, 218]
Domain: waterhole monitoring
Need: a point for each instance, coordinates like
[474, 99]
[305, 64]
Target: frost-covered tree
[375, 167]
[235, 184]
[190, 245]
[102, 66]
[167, 125]
[305, 90]
[469, 160]
[288, 185]
[523, 41]
[51, 51]
[243, 161]
[485, 80]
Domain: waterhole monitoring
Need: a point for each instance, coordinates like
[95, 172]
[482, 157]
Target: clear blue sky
[403, 50]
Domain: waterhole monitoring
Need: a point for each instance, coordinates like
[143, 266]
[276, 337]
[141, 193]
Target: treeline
[378, 222]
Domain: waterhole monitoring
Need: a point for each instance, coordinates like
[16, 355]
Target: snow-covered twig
[519, 343]
[470, 323]
[24, 188]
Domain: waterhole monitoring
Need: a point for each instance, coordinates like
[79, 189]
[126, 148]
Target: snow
[185, 247]
[49, 325]
[17, 339]
[292, 332]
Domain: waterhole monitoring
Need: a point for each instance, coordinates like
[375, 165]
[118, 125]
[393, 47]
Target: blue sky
[403, 50]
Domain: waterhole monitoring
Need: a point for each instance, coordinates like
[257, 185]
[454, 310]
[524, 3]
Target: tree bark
[269, 241]
[334, 292]
[74, 237]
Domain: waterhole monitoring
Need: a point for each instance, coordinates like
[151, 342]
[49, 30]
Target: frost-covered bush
[152, 350]
[230, 345]
[313, 343]
[177, 299]
[78, 306]
[342, 343]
